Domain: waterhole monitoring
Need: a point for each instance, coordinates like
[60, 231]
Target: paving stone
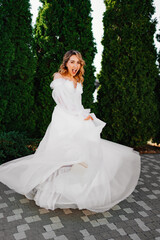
[102, 221]
[121, 231]
[116, 207]
[107, 214]
[123, 217]
[155, 185]
[63, 237]
[142, 225]
[151, 196]
[48, 228]
[14, 217]
[67, 211]
[144, 205]
[143, 214]
[24, 200]
[32, 219]
[130, 199]
[128, 210]
[12, 199]
[87, 212]
[23, 227]
[91, 237]
[55, 219]
[156, 191]
[9, 192]
[85, 233]
[17, 211]
[94, 223]
[3, 205]
[85, 218]
[145, 189]
[57, 225]
[112, 226]
[49, 235]
[43, 211]
[20, 235]
[134, 236]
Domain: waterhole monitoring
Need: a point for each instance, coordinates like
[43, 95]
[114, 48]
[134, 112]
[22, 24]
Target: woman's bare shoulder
[57, 75]
[57, 80]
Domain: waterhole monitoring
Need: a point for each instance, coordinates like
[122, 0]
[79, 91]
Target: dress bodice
[70, 86]
[68, 97]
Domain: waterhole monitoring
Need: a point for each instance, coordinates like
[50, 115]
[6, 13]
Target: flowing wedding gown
[53, 176]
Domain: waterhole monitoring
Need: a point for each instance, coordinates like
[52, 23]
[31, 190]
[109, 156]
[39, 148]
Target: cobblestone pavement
[137, 217]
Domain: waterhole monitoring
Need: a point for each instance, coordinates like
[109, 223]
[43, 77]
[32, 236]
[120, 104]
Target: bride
[73, 167]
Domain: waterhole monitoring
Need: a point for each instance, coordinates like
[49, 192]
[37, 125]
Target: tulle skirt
[54, 178]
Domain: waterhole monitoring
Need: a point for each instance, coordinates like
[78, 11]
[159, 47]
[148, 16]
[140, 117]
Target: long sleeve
[67, 98]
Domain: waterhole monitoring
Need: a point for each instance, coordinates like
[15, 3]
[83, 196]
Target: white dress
[53, 177]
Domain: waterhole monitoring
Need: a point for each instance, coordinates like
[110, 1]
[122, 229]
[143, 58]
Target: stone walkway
[137, 217]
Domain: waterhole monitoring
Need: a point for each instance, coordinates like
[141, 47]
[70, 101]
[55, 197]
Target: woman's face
[73, 65]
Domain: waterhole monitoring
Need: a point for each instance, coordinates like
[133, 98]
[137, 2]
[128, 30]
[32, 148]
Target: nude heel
[84, 164]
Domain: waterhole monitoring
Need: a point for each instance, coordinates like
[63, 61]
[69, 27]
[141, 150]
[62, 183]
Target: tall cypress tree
[126, 99]
[157, 136]
[61, 25]
[17, 67]
[7, 54]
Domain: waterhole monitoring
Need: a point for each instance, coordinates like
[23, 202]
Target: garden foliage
[126, 100]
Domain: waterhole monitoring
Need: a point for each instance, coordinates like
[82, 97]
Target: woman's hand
[89, 117]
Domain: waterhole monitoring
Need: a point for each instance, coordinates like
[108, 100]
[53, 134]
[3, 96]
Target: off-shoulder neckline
[68, 81]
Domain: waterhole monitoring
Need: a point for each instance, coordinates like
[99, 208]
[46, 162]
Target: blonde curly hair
[63, 68]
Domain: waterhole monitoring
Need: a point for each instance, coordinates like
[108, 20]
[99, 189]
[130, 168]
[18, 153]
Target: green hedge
[17, 111]
[15, 145]
[126, 100]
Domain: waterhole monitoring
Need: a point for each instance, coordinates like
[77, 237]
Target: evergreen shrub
[14, 145]
[127, 100]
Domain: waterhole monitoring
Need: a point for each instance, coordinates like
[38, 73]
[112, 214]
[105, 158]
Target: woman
[72, 166]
